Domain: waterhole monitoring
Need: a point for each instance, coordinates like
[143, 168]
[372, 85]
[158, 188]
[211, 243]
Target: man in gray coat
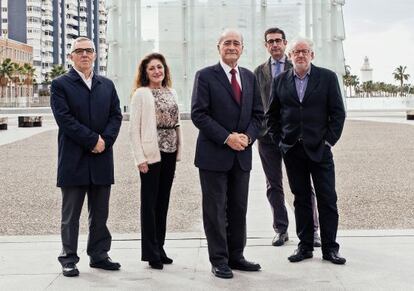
[270, 155]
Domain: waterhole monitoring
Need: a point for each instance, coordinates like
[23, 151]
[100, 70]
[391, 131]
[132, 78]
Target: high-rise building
[49, 26]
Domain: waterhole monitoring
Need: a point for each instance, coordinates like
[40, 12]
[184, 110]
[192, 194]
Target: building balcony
[72, 11]
[47, 37]
[72, 21]
[71, 31]
[37, 14]
[48, 27]
[47, 17]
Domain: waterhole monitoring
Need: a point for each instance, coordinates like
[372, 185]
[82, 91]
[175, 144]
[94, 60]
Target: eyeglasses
[276, 40]
[79, 51]
[298, 52]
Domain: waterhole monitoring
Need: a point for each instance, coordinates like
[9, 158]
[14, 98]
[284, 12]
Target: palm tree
[350, 81]
[6, 71]
[16, 77]
[347, 81]
[29, 73]
[56, 71]
[367, 87]
[400, 75]
[354, 81]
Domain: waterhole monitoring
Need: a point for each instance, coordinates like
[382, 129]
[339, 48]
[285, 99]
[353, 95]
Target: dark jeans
[99, 239]
[155, 196]
[300, 168]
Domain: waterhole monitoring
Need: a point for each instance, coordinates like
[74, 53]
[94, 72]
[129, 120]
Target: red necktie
[235, 86]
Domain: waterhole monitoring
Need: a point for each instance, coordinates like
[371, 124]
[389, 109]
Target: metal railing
[23, 102]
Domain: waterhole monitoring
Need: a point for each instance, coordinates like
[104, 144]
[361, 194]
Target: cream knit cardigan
[143, 128]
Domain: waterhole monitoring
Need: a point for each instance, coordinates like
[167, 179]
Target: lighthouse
[366, 71]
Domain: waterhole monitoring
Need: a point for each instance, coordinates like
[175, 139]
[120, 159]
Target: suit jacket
[216, 114]
[318, 118]
[264, 78]
[143, 128]
[82, 115]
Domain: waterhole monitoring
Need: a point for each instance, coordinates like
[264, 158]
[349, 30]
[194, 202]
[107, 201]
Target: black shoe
[222, 271]
[70, 270]
[316, 240]
[280, 239]
[300, 255]
[334, 257]
[156, 265]
[244, 265]
[166, 260]
[106, 264]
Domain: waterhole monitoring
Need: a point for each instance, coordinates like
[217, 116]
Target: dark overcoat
[82, 114]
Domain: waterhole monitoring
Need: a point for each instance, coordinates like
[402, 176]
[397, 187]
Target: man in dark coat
[270, 155]
[86, 109]
[227, 110]
[308, 114]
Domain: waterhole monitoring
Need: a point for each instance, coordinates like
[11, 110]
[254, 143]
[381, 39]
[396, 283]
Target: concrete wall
[380, 103]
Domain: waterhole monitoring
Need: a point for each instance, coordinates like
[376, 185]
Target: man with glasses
[270, 155]
[308, 114]
[86, 109]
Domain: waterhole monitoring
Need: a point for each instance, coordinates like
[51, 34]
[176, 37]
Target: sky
[382, 30]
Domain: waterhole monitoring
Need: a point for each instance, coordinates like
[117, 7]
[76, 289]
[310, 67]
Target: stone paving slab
[375, 262]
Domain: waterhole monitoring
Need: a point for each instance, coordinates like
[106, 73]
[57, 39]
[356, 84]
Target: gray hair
[80, 39]
[228, 31]
[298, 40]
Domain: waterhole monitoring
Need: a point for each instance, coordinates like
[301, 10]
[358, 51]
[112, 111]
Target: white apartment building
[49, 26]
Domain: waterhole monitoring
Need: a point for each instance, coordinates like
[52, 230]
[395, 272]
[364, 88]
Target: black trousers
[224, 212]
[271, 158]
[99, 238]
[155, 197]
[300, 168]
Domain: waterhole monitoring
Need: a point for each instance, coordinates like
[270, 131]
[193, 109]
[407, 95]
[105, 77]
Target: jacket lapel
[291, 85]
[313, 82]
[95, 81]
[288, 64]
[222, 78]
[267, 74]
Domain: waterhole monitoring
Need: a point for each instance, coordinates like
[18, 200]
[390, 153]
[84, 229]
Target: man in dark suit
[270, 155]
[86, 109]
[227, 110]
[308, 114]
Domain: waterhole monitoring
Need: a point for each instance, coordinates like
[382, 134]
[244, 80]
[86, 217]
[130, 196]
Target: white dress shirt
[227, 70]
[88, 81]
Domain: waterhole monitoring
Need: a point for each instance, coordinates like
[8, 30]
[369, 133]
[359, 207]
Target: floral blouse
[166, 112]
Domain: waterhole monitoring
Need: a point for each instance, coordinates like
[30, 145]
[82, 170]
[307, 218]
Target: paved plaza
[375, 170]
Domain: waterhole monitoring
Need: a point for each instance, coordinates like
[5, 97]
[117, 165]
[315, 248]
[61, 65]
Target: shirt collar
[306, 75]
[83, 75]
[227, 68]
[282, 60]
